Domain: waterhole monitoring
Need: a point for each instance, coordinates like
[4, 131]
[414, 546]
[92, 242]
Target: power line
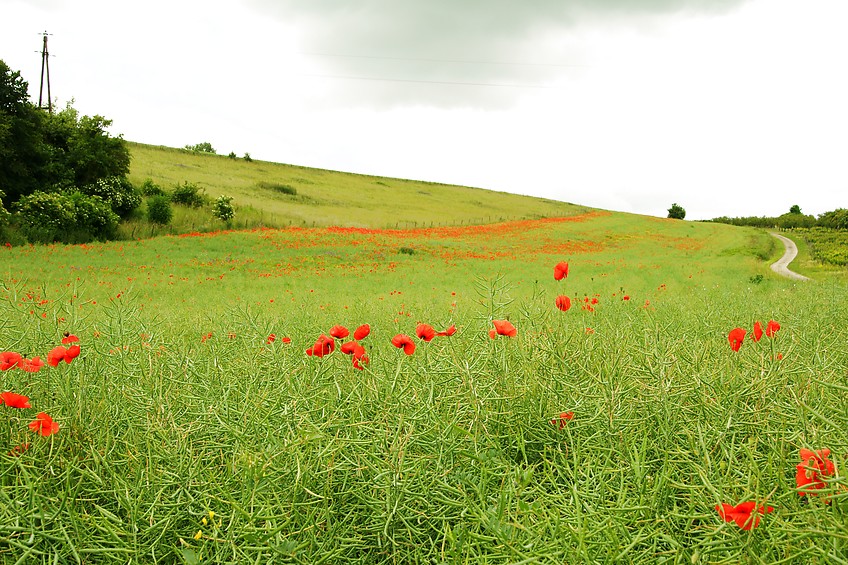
[427, 60]
[506, 85]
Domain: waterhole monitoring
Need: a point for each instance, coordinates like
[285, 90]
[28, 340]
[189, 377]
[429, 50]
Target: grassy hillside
[261, 192]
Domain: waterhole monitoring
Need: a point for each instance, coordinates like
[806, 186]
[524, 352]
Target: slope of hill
[278, 195]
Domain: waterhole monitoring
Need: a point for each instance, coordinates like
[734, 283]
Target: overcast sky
[727, 107]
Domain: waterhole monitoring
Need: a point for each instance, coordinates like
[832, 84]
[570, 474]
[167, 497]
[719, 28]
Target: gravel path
[781, 266]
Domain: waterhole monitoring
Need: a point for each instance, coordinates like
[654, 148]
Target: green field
[261, 192]
[188, 436]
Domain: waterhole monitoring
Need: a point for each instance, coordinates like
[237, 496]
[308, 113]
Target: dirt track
[781, 266]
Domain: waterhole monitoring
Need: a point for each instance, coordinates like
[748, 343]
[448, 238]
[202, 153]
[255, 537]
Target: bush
[232, 155]
[202, 147]
[45, 217]
[150, 188]
[118, 192]
[223, 209]
[187, 194]
[159, 209]
[94, 218]
[248, 158]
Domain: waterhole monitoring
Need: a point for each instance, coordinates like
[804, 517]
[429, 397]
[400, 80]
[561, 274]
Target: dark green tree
[23, 154]
[795, 209]
[676, 211]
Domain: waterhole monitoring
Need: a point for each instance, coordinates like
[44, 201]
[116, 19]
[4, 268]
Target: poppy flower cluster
[428, 332]
[810, 476]
[737, 335]
[43, 423]
[325, 344]
[814, 467]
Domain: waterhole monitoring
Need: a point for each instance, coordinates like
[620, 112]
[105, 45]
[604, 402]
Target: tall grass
[188, 437]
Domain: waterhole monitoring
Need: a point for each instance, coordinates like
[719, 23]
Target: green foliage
[23, 153]
[4, 214]
[187, 194]
[406, 251]
[118, 192]
[792, 221]
[44, 217]
[232, 155]
[827, 246]
[81, 150]
[202, 147]
[676, 211]
[150, 188]
[795, 209]
[247, 158]
[159, 209]
[223, 209]
[39, 151]
[835, 219]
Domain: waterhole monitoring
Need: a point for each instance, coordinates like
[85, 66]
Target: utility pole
[45, 69]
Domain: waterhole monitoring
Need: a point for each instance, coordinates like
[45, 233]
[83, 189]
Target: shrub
[406, 251]
[202, 147]
[187, 194]
[232, 155]
[94, 218]
[247, 158]
[223, 209]
[118, 192]
[74, 217]
[150, 188]
[159, 209]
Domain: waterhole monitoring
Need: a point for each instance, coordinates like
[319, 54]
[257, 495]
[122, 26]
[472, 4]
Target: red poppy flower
[562, 419]
[69, 338]
[560, 271]
[339, 332]
[9, 360]
[625, 297]
[286, 340]
[18, 449]
[404, 341]
[33, 365]
[271, 338]
[349, 347]
[771, 328]
[14, 400]
[813, 467]
[745, 514]
[360, 359]
[323, 346]
[450, 331]
[56, 355]
[73, 353]
[735, 337]
[362, 331]
[503, 327]
[757, 333]
[425, 332]
[563, 303]
[44, 425]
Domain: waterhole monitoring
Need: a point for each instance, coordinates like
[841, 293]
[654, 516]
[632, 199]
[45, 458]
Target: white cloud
[736, 113]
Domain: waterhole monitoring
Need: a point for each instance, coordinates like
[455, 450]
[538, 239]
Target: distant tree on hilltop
[795, 209]
[676, 211]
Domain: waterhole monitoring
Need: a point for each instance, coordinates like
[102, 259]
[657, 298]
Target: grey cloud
[452, 53]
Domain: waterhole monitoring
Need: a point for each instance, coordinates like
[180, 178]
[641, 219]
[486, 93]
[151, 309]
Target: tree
[676, 211]
[22, 151]
[795, 209]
